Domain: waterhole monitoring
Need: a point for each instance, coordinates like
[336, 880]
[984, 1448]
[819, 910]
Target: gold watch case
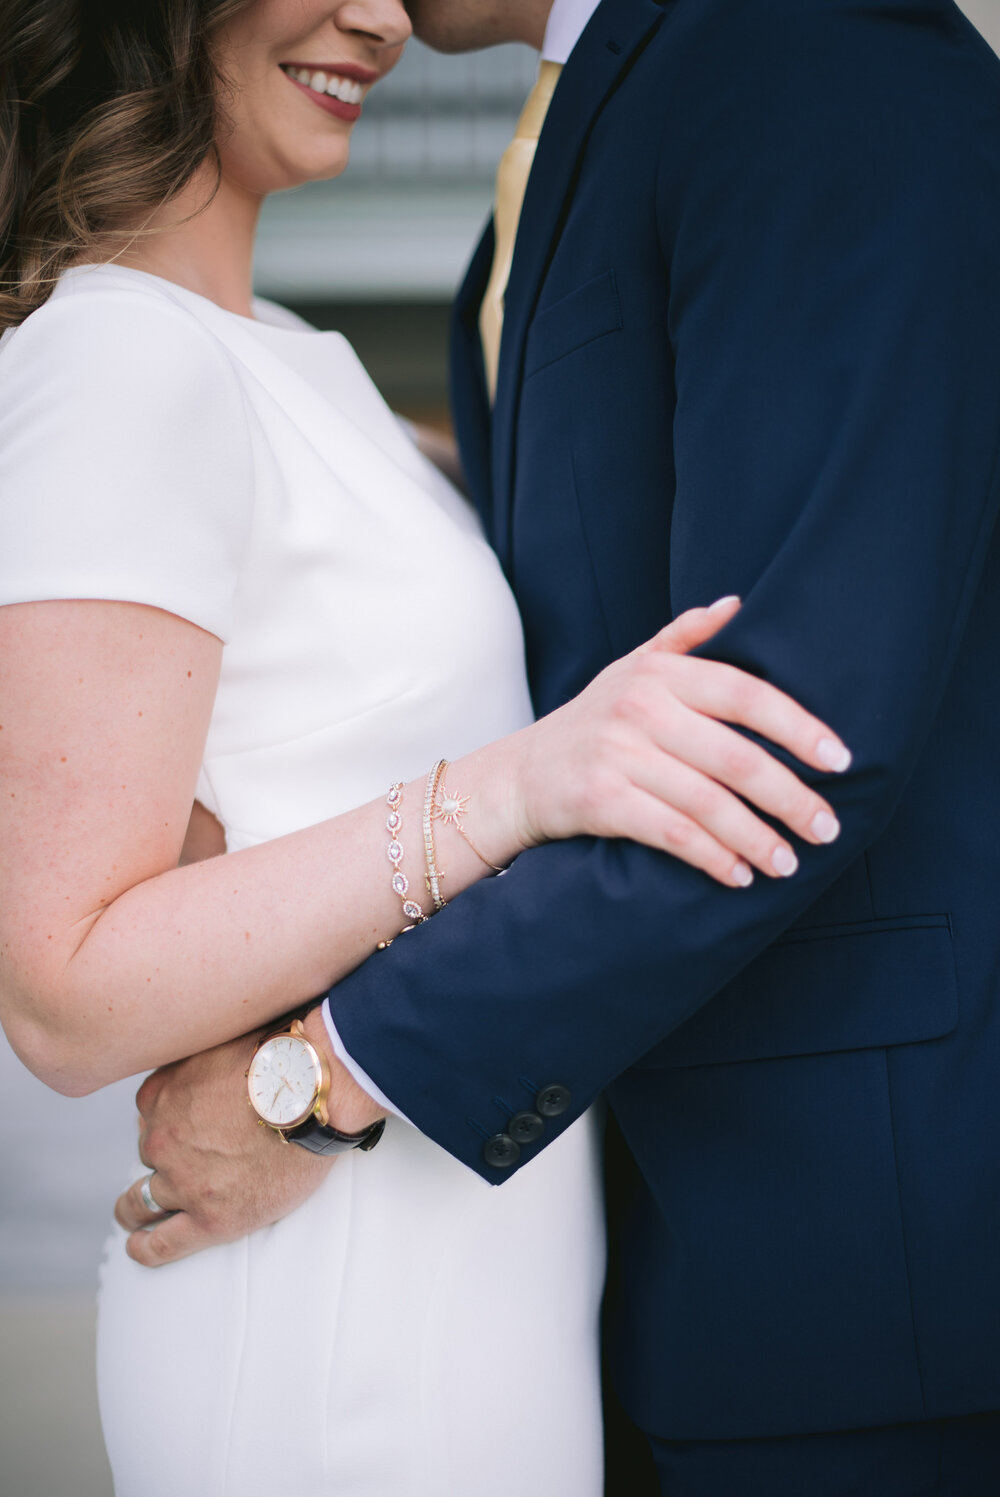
[288, 1080]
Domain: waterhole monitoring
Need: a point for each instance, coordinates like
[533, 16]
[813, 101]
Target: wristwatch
[289, 1081]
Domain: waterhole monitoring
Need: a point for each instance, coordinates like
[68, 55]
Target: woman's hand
[644, 752]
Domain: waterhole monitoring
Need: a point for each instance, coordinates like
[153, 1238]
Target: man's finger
[175, 1237]
[131, 1211]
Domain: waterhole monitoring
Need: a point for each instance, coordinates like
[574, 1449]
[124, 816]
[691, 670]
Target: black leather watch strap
[319, 1138]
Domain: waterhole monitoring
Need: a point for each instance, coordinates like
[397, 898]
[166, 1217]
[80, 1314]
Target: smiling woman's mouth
[336, 91]
[335, 85]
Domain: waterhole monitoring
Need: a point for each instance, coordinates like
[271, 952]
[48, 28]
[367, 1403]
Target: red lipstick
[339, 108]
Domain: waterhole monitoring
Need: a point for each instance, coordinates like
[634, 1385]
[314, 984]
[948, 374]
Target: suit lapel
[602, 56]
[469, 402]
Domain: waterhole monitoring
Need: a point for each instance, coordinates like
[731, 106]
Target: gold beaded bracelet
[433, 876]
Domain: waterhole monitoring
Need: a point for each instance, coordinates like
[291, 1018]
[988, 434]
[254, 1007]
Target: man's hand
[216, 1168]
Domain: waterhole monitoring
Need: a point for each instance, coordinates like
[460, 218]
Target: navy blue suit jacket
[752, 346]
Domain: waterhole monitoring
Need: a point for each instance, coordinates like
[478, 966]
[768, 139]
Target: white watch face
[284, 1080]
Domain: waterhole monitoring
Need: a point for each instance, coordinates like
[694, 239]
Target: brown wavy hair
[107, 108]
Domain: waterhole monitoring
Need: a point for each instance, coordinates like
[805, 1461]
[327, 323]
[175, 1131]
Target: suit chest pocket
[590, 312]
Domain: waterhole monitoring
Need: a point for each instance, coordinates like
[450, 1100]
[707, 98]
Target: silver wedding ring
[153, 1207]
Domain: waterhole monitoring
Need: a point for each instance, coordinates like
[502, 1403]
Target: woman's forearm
[204, 952]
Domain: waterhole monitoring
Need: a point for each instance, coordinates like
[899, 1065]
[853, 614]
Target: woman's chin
[285, 170]
[321, 167]
[331, 169]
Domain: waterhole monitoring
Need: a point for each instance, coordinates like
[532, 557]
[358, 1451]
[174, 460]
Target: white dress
[409, 1331]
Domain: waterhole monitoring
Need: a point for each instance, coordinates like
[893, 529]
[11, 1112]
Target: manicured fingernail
[785, 862]
[743, 875]
[825, 826]
[833, 754]
[724, 602]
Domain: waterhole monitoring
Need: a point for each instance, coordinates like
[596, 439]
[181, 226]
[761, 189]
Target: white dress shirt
[566, 24]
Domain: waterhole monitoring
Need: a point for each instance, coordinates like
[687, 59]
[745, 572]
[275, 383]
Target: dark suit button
[525, 1127]
[501, 1152]
[553, 1100]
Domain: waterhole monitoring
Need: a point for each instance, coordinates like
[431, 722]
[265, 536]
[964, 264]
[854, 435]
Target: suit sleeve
[829, 208]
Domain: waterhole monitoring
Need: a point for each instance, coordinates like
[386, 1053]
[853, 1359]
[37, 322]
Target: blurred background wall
[377, 255]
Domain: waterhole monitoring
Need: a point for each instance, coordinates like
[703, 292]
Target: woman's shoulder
[107, 318]
[126, 461]
[113, 347]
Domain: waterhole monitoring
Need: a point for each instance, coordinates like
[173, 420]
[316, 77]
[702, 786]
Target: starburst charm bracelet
[449, 810]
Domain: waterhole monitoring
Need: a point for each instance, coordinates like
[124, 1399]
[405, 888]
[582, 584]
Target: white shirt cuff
[354, 1070]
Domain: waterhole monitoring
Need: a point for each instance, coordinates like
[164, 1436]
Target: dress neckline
[275, 318]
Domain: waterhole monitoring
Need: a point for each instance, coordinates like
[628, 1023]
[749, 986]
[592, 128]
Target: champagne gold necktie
[512, 180]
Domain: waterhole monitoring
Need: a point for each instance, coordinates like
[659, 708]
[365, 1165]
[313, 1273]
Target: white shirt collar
[567, 23]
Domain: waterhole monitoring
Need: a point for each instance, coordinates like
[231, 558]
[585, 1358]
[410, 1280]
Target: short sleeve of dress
[125, 458]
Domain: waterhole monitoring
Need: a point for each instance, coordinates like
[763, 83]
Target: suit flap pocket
[587, 313]
[848, 987]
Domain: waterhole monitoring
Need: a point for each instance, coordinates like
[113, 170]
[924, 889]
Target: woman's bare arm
[115, 960]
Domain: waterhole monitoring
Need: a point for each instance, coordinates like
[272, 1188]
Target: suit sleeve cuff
[354, 1070]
